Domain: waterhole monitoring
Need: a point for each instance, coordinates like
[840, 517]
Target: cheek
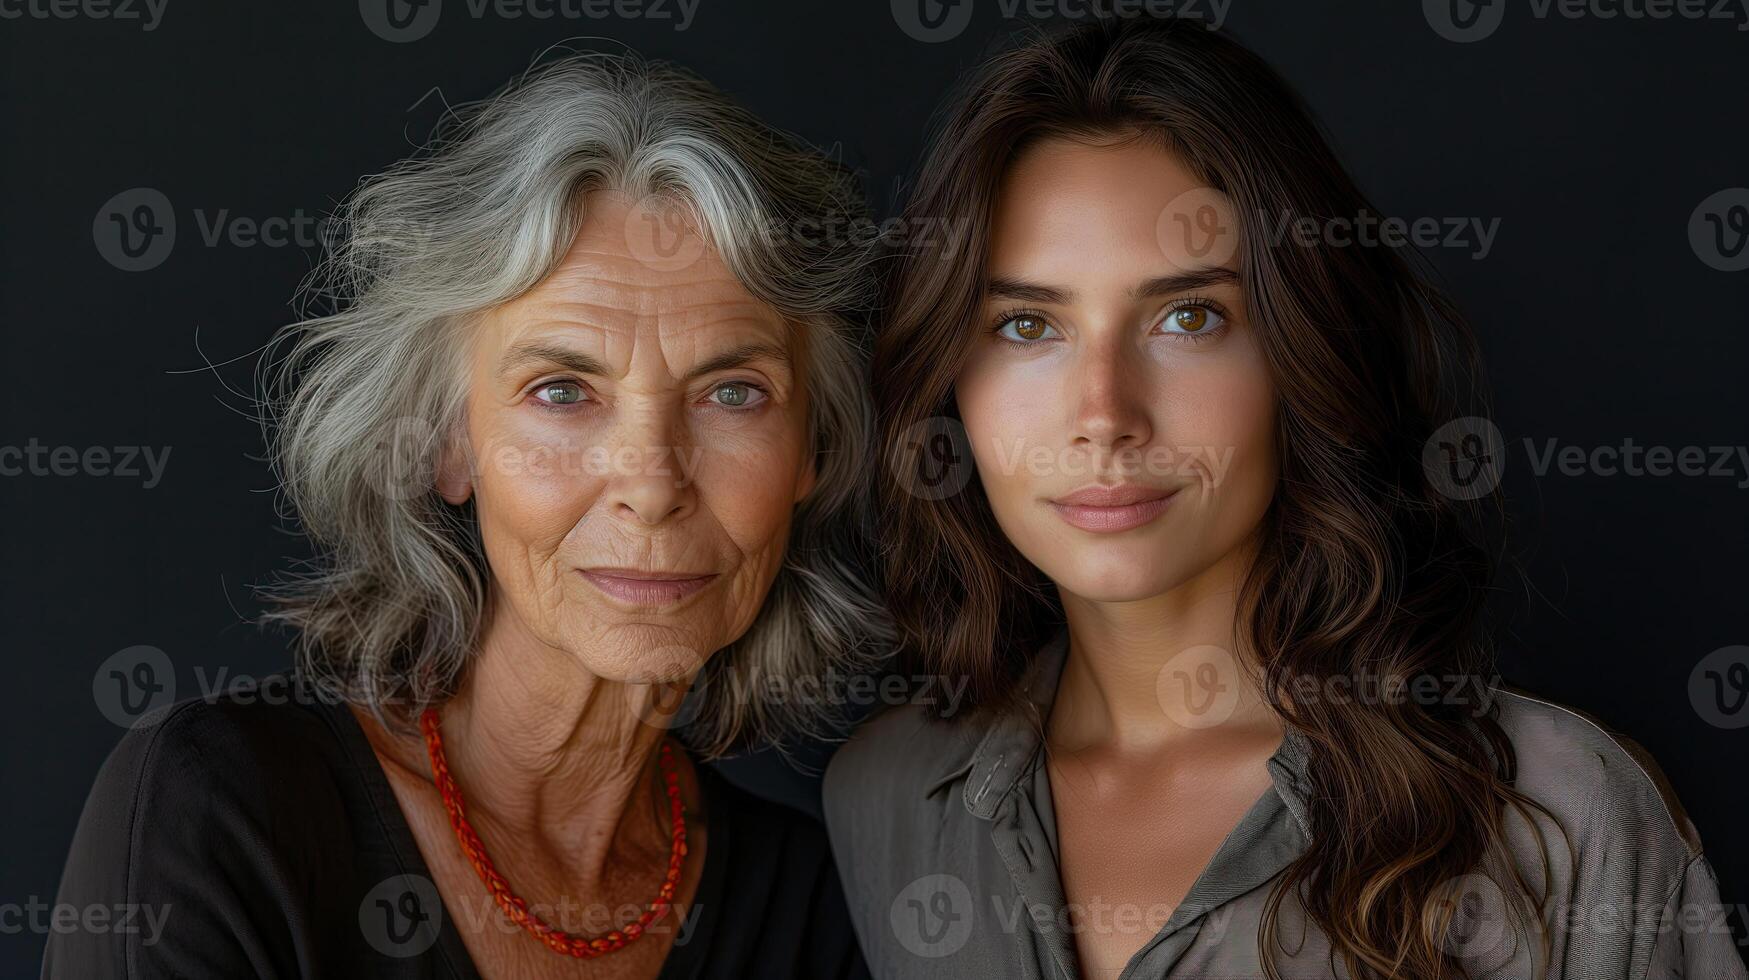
[1220, 420]
[746, 476]
[748, 484]
[1006, 414]
[536, 478]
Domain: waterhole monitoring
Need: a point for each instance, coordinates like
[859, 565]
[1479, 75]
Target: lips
[1110, 509]
[644, 588]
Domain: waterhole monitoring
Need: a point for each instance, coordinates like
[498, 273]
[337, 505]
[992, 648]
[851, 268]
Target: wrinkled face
[1116, 400]
[639, 436]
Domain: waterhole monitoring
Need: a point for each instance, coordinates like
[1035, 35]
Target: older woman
[599, 319]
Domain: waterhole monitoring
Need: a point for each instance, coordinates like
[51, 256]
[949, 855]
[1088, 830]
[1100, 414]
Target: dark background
[1592, 140]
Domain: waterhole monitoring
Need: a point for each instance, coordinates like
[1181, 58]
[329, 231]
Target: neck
[548, 753]
[1150, 673]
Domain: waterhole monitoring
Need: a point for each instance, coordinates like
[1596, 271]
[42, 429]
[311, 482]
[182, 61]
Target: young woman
[1215, 590]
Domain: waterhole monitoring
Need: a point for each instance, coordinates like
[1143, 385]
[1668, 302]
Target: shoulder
[249, 766]
[764, 828]
[1605, 790]
[268, 744]
[780, 897]
[215, 809]
[899, 755]
[1634, 855]
[893, 794]
[774, 848]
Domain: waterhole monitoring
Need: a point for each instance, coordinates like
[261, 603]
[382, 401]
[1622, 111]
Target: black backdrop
[1605, 151]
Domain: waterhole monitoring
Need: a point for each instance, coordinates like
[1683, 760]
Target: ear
[455, 477]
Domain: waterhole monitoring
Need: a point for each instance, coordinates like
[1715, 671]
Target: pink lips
[1108, 510]
[640, 588]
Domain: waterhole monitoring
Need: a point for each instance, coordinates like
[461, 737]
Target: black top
[230, 839]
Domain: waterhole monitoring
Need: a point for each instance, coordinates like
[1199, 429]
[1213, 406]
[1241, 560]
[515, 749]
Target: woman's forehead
[616, 342]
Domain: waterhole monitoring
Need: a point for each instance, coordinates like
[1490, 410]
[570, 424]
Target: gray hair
[367, 394]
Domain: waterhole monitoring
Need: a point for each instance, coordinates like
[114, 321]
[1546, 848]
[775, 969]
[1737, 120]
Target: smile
[649, 589]
[1108, 510]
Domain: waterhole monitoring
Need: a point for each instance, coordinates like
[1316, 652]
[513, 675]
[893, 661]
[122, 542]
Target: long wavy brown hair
[1366, 568]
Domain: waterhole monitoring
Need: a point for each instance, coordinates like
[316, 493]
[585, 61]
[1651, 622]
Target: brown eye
[1024, 328]
[1192, 320]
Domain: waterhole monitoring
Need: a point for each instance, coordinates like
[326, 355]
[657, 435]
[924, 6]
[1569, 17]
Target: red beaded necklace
[514, 906]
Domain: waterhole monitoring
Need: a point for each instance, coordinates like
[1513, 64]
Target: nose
[648, 482]
[1110, 398]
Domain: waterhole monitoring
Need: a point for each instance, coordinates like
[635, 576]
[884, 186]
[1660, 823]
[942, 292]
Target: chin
[646, 653]
[1116, 581]
[1104, 591]
[1116, 574]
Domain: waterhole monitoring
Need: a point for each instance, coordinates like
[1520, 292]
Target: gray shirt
[947, 844]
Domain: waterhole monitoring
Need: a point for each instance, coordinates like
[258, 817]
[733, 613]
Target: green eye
[561, 393]
[736, 394]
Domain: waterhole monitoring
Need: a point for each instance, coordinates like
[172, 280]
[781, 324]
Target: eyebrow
[564, 357]
[734, 357]
[582, 363]
[1027, 291]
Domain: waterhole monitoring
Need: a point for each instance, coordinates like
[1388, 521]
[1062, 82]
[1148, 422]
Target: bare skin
[683, 378]
[1135, 368]
[590, 865]
[1142, 801]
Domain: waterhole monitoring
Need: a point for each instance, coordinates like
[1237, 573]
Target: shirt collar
[1011, 741]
